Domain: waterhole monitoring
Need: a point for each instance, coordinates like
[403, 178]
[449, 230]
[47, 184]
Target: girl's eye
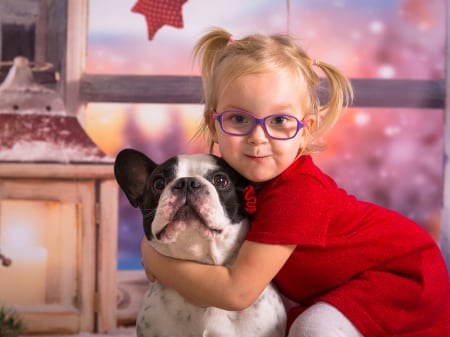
[238, 118]
[159, 184]
[220, 180]
[278, 120]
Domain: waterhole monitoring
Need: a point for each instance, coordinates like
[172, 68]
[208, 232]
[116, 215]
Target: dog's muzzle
[191, 195]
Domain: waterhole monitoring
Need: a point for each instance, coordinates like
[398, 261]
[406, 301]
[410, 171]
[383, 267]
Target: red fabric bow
[250, 199]
[159, 13]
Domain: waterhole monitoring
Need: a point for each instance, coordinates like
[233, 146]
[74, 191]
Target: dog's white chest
[166, 314]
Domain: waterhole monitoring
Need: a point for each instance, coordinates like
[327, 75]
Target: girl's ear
[308, 130]
[311, 125]
[310, 122]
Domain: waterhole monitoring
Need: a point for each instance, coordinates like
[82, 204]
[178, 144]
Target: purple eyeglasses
[242, 123]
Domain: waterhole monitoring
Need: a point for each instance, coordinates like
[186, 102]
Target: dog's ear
[131, 169]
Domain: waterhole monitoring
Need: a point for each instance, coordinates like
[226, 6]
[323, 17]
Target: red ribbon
[250, 199]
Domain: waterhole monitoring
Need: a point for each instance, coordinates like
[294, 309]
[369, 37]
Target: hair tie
[316, 62]
[231, 39]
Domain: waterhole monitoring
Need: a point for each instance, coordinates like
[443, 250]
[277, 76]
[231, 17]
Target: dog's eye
[159, 184]
[220, 180]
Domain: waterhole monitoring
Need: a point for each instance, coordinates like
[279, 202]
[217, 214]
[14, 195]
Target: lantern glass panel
[39, 237]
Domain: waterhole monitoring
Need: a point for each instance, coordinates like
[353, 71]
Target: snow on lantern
[58, 213]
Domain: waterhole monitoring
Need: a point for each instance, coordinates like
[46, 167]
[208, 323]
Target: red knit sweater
[379, 268]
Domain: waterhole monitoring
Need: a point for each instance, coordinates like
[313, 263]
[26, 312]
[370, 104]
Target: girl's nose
[258, 135]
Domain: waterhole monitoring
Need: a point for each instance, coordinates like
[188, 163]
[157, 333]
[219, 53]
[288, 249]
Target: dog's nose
[187, 185]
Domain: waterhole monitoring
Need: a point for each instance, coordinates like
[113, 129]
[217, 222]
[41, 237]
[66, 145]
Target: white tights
[323, 320]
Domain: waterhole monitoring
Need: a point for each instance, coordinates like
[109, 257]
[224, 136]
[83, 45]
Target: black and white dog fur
[193, 208]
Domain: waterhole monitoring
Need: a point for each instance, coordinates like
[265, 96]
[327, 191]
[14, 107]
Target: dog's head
[192, 205]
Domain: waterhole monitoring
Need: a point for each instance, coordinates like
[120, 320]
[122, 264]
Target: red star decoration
[159, 13]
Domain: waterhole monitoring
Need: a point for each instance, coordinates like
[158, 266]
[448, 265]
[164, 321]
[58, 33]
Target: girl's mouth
[256, 157]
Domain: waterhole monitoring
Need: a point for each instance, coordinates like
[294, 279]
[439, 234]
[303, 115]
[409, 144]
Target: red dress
[380, 269]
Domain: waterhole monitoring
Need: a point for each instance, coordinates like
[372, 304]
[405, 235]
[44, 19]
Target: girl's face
[256, 156]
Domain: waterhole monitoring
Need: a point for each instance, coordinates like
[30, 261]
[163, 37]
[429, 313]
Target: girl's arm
[229, 288]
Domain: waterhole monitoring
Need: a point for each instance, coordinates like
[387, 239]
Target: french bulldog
[193, 208]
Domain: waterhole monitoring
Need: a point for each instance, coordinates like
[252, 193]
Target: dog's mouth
[184, 217]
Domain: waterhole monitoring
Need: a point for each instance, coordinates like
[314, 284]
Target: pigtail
[207, 52]
[340, 96]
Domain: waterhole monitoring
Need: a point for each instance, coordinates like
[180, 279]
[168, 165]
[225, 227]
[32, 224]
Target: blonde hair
[223, 58]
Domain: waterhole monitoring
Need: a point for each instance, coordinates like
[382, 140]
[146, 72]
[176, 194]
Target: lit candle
[24, 281]
[22, 240]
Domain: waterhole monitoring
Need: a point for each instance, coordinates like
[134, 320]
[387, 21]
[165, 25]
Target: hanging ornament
[159, 13]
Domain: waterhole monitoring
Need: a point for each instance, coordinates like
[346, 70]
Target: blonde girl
[352, 268]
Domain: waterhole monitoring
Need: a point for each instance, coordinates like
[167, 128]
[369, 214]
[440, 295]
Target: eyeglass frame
[262, 121]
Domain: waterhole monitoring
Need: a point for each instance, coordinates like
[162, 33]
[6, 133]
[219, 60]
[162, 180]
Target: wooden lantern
[58, 213]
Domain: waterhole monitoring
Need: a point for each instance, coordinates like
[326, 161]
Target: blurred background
[393, 157]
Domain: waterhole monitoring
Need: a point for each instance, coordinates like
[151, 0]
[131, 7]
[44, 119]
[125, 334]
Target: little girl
[352, 267]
